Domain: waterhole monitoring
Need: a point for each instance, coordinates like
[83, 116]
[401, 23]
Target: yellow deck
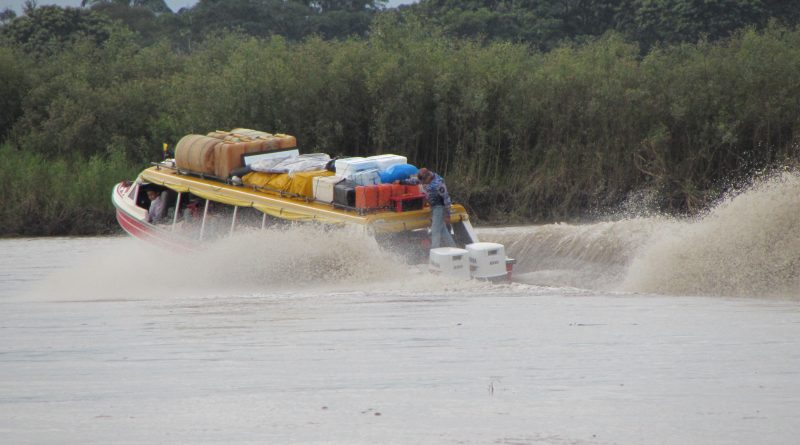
[275, 204]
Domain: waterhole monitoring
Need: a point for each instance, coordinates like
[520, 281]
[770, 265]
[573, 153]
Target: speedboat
[212, 189]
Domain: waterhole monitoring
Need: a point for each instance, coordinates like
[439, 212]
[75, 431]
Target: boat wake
[293, 259]
[748, 245]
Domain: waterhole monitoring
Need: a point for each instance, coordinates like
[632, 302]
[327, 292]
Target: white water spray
[288, 260]
[748, 245]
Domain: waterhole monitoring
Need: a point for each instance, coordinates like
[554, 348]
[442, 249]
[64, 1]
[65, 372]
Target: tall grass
[42, 195]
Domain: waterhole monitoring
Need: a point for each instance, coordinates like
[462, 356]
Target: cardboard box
[323, 187]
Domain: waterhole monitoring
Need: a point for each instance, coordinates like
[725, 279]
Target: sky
[175, 5]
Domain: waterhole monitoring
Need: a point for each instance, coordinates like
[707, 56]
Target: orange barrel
[398, 189]
[384, 195]
[229, 155]
[361, 197]
[196, 154]
[366, 196]
[371, 194]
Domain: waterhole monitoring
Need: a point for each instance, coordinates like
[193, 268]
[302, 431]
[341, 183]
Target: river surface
[633, 331]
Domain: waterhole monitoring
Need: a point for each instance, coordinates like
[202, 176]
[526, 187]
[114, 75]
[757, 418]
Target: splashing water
[748, 245]
[299, 258]
[592, 256]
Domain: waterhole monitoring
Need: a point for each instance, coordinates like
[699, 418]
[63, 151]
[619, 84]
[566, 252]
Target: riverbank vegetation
[524, 130]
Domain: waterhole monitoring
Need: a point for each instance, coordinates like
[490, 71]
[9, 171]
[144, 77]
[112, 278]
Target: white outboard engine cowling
[449, 261]
[487, 260]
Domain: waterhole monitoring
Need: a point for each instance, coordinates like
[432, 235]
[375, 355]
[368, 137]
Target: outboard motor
[483, 261]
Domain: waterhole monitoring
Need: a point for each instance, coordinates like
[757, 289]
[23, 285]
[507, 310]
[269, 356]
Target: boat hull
[133, 220]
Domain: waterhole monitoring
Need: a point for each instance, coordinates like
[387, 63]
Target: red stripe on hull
[150, 233]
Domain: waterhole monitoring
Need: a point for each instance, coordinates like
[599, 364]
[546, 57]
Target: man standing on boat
[439, 200]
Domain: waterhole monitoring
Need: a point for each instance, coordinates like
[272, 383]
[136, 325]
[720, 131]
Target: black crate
[344, 194]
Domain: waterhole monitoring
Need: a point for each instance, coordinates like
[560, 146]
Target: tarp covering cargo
[274, 181]
[301, 163]
[303, 182]
[299, 184]
[220, 152]
[248, 135]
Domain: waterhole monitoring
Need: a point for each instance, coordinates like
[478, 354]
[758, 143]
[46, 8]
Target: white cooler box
[323, 187]
[487, 260]
[366, 177]
[386, 161]
[347, 167]
[449, 261]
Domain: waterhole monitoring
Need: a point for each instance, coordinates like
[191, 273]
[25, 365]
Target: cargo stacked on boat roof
[365, 184]
[271, 163]
[220, 152]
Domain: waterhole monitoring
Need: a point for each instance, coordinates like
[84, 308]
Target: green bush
[46, 196]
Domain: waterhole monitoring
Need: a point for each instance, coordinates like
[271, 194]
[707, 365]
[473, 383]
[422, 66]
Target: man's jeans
[440, 234]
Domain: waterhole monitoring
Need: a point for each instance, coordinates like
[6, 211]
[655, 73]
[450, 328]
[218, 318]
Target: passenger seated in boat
[158, 206]
[192, 211]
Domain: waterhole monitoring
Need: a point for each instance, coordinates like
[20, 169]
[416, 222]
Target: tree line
[548, 23]
[544, 24]
[521, 133]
